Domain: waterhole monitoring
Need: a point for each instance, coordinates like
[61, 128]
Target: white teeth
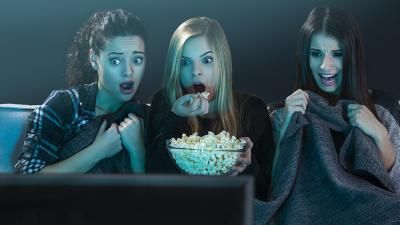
[327, 75]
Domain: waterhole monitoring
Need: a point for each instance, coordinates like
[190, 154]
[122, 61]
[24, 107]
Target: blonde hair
[227, 113]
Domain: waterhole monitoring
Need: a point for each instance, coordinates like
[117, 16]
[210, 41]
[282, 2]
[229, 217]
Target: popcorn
[207, 155]
[204, 94]
[208, 142]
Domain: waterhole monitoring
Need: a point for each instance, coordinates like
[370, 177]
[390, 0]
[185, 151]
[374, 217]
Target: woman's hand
[360, 116]
[244, 158]
[107, 142]
[131, 130]
[296, 102]
[191, 105]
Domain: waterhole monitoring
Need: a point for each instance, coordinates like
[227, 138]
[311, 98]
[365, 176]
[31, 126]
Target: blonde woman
[199, 60]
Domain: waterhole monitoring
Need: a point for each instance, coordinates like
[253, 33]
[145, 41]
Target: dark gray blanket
[316, 183]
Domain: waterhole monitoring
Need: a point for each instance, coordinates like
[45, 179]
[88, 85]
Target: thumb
[102, 128]
[187, 99]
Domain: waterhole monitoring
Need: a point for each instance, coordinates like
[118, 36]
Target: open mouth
[328, 79]
[127, 87]
[198, 87]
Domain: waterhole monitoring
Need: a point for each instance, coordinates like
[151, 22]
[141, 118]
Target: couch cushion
[12, 133]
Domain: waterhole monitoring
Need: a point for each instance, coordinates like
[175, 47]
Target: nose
[327, 62]
[128, 70]
[197, 69]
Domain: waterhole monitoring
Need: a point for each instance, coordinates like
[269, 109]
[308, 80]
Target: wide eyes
[137, 60]
[115, 61]
[337, 54]
[205, 60]
[317, 53]
[185, 62]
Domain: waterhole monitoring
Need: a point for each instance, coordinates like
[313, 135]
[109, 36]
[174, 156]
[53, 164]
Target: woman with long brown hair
[337, 142]
[331, 63]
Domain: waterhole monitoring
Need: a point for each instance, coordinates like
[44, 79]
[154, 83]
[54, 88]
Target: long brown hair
[227, 116]
[343, 27]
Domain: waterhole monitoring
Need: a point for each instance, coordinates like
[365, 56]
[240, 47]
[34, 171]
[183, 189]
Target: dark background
[35, 35]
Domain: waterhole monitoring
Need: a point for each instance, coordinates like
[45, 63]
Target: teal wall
[35, 35]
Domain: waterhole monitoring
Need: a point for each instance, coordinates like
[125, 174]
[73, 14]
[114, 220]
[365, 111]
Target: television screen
[125, 199]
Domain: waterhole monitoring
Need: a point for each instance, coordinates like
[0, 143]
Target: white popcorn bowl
[204, 162]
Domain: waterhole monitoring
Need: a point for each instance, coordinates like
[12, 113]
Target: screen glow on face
[197, 63]
[326, 62]
[121, 67]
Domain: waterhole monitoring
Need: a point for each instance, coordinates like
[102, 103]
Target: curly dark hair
[101, 27]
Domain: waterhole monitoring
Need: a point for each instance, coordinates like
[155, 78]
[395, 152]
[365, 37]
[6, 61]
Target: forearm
[275, 160]
[282, 131]
[385, 146]
[137, 157]
[283, 128]
[81, 162]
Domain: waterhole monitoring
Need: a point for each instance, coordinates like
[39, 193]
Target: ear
[93, 59]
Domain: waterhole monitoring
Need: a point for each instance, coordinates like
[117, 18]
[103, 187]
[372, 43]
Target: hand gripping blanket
[120, 162]
[316, 183]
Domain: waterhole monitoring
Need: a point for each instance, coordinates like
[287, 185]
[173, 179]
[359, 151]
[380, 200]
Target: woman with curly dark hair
[95, 125]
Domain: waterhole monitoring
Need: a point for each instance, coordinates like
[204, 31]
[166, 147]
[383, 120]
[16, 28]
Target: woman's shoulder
[63, 103]
[386, 103]
[252, 110]
[383, 98]
[159, 98]
[75, 93]
[250, 101]
[274, 109]
[60, 99]
[159, 102]
[385, 116]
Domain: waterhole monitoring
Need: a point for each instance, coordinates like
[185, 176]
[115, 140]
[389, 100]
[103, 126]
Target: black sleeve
[163, 125]
[259, 129]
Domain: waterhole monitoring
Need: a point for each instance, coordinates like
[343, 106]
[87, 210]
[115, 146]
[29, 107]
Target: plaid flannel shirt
[53, 123]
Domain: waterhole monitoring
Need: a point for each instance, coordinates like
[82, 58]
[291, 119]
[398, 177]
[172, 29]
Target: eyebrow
[120, 53]
[205, 53]
[336, 50]
[115, 53]
[138, 52]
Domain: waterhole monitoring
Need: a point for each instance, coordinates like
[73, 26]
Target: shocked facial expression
[198, 66]
[120, 67]
[326, 62]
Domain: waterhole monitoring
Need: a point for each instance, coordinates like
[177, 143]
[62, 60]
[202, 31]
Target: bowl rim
[169, 147]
